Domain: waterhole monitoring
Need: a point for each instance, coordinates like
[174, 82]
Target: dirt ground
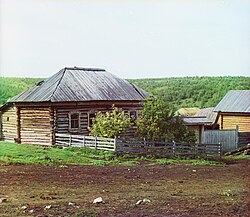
[173, 190]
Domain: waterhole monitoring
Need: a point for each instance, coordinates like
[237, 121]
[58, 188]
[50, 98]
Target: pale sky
[132, 39]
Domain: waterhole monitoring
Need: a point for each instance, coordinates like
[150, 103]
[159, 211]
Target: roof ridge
[135, 87]
[58, 84]
[84, 69]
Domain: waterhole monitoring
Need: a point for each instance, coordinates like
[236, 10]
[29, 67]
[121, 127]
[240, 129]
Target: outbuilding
[234, 112]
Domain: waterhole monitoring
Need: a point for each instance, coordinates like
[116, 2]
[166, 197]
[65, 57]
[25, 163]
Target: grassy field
[11, 153]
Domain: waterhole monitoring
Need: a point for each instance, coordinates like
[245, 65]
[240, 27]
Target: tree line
[179, 92]
[10, 87]
[196, 91]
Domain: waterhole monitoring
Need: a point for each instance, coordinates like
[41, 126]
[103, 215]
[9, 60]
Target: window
[91, 116]
[74, 121]
[138, 113]
[8, 119]
[132, 115]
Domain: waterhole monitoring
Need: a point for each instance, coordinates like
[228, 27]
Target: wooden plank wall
[230, 122]
[35, 126]
[9, 126]
[225, 137]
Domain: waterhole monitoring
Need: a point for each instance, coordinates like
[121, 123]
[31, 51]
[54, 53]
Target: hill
[193, 91]
[181, 92]
[10, 87]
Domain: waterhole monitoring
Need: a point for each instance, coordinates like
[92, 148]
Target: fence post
[174, 146]
[220, 149]
[196, 150]
[237, 136]
[70, 140]
[145, 145]
[83, 141]
[115, 140]
[95, 142]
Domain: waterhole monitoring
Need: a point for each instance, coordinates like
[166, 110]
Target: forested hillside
[10, 87]
[193, 91]
[181, 92]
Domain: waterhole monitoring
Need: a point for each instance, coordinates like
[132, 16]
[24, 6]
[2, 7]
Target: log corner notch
[52, 124]
[18, 126]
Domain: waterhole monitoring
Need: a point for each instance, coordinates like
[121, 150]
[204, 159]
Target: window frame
[79, 121]
[90, 125]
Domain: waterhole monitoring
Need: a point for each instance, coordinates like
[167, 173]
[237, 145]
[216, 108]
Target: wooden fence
[167, 148]
[86, 141]
[139, 146]
[227, 138]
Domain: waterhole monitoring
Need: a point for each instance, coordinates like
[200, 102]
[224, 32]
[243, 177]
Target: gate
[227, 138]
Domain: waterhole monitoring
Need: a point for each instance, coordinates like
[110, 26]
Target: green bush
[158, 123]
[111, 124]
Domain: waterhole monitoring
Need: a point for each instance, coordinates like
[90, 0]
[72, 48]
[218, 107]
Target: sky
[132, 39]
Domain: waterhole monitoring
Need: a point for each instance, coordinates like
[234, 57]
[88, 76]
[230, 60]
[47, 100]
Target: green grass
[190, 161]
[11, 153]
[239, 157]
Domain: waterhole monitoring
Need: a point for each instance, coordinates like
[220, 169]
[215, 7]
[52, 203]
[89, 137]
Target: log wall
[35, 126]
[9, 126]
[229, 121]
[62, 118]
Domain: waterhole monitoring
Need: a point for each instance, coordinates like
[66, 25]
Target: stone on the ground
[71, 204]
[139, 202]
[24, 207]
[145, 200]
[47, 207]
[3, 199]
[31, 211]
[98, 200]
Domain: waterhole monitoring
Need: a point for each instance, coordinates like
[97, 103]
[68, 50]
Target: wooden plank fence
[139, 146]
[167, 148]
[99, 143]
[227, 138]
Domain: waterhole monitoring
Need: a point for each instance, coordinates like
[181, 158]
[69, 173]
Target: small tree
[111, 124]
[158, 123]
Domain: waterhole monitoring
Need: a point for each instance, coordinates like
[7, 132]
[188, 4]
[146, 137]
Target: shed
[234, 112]
[234, 109]
[66, 103]
[210, 115]
[196, 124]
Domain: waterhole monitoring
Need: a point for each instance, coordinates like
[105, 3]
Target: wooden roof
[235, 101]
[81, 84]
[193, 120]
[208, 113]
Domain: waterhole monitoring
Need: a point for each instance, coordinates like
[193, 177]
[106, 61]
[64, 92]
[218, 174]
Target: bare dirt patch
[174, 190]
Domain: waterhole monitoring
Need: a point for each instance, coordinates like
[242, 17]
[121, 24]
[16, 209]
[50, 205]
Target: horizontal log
[243, 148]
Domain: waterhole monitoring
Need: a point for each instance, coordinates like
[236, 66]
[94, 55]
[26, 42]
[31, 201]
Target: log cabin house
[234, 111]
[66, 103]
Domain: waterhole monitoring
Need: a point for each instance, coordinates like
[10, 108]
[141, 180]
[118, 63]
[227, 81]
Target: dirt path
[174, 190]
